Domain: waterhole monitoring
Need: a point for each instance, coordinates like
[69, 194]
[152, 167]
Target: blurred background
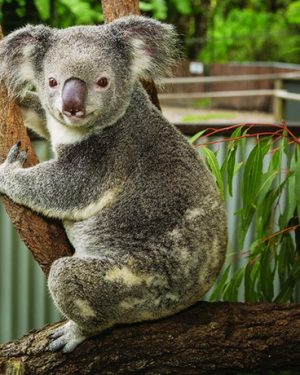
[241, 65]
[211, 30]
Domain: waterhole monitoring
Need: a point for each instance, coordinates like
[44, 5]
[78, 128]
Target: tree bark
[208, 338]
[45, 238]
[113, 9]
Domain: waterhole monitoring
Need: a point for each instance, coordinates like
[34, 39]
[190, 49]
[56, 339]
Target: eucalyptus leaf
[213, 165]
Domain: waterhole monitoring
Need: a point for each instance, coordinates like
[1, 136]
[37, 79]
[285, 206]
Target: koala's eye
[52, 82]
[102, 82]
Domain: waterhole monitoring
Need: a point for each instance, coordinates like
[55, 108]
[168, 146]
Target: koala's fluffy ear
[154, 45]
[21, 57]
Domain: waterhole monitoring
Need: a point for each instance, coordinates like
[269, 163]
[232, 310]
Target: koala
[137, 202]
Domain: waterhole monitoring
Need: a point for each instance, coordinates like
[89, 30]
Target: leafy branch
[262, 169]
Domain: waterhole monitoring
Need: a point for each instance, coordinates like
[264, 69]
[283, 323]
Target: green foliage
[293, 12]
[233, 30]
[211, 30]
[183, 6]
[71, 11]
[81, 11]
[246, 35]
[60, 13]
[266, 264]
[43, 7]
[158, 8]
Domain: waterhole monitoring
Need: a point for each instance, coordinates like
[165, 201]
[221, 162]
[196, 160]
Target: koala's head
[84, 75]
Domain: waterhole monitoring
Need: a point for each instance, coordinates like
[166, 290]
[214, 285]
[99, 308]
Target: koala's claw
[13, 153]
[57, 344]
[57, 333]
[65, 343]
[65, 338]
[22, 157]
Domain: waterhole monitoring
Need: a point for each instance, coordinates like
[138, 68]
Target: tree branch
[208, 338]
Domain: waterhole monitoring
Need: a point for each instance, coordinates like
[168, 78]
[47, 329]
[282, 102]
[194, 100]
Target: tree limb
[209, 338]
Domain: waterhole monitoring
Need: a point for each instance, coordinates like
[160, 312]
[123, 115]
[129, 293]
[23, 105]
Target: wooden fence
[228, 79]
[278, 94]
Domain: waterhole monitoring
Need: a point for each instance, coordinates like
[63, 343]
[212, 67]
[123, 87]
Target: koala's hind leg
[96, 293]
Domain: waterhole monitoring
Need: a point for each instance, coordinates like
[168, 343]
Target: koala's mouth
[75, 120]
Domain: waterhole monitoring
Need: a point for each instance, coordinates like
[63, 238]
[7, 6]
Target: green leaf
[252, 176]
[265, 185]
[229, 166]
[276, 160]
[286, 292]
[266, 275]
[238, 167]
[250, 185]
[43, 7]
[213, 165]
[291, 190]
[232, 289]
[195, 137]
[285, 258]
[220, 285]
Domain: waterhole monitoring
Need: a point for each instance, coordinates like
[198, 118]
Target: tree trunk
[113, 9]
[45, 238]
[208, 338]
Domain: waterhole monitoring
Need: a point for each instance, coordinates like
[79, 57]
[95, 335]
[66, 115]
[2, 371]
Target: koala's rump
[169, 220]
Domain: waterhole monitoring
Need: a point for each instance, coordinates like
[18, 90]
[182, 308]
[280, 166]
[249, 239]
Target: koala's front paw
[15, 156]
[66, 337]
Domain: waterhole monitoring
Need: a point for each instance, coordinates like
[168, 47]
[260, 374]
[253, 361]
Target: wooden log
[45, 238]
[208, 338]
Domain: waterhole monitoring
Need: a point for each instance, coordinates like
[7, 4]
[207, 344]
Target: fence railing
[278, 94]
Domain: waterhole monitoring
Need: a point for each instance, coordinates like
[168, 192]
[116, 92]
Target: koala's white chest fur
[63, 134]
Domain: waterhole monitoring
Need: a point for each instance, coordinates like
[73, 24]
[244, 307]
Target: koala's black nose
[73, 97]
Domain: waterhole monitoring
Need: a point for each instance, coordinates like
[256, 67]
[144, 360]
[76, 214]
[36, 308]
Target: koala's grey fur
[138, 204]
